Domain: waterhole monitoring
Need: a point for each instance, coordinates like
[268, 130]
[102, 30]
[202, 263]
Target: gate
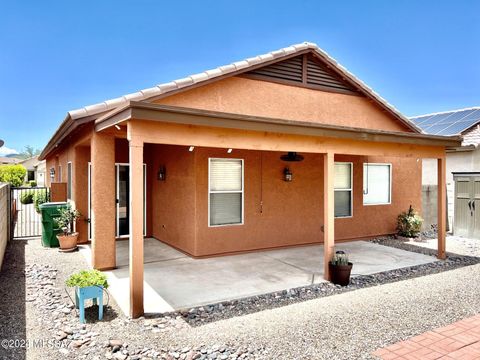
[26, 221]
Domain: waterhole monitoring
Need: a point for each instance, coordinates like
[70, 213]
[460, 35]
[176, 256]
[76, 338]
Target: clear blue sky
[422, 56]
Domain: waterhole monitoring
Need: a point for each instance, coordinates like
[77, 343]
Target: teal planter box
[89, 292]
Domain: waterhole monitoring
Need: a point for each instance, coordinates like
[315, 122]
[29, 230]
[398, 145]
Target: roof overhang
[190, 116]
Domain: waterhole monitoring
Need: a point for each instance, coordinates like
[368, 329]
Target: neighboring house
[282, 149]
[35, 170]
[463, 160]
[5, 160]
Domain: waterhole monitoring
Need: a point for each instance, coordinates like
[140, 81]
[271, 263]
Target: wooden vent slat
[317, 74]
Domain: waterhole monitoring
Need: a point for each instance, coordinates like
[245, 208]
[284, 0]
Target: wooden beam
[441, 207]
[328, 211]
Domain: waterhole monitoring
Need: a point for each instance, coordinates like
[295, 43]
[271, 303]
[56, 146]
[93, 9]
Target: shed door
[476, 208]
[463, 207]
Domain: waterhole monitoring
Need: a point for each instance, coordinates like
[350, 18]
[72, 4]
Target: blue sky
[422, 56]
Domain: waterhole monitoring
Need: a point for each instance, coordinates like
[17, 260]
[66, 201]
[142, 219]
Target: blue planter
[89, 292]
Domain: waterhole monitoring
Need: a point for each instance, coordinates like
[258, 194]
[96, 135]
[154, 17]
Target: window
[343, 189]
[59, 176]
[377, 186]
[30, 175]
[225, 192]
[69, 180]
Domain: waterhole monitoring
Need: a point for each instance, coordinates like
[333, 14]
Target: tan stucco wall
[262, 98]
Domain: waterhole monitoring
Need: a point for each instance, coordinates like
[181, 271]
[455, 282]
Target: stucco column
[136, 228]
[441, 207]
[328, 211]
[103, 201]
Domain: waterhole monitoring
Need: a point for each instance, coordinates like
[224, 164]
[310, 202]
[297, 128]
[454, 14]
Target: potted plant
[409, 224]
[88, 284]
[340, 269]
[67, 239]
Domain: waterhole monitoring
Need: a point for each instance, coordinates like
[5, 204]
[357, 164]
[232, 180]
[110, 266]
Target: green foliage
[27, 197]
[340, 258]
[66, 219]
[409, 223]
[85, 278]
[40, 197]
[28, 152]
[32, 183]
[13, 174]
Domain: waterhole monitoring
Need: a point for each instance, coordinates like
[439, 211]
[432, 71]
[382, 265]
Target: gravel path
[349, 325]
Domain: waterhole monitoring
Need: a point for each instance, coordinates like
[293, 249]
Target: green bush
[85, 278]
[32, 183]
[13, 174]
[40, 197]
[66, 219]
[409, 224]
[27, 197]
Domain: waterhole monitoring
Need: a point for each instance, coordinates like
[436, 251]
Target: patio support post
[328, 211]
[102, 155]
[441, 208]
[136, 227]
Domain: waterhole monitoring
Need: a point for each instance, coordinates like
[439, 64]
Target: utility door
[467, 205]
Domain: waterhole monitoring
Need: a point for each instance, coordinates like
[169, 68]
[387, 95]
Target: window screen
[226, 191]
[376, 184]
[343, 189]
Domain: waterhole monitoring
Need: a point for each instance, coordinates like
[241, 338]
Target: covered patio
[174, 281]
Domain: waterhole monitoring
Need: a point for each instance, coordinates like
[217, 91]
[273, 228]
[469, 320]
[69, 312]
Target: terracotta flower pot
[68, 241]
[340, 274]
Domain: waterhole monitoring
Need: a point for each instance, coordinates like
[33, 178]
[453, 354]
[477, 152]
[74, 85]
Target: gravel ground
[454, 244]
[348, 325]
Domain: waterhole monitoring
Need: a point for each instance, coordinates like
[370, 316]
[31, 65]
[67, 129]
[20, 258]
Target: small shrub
[340, 258]
[66, 219]
[40, 197]
[27, 197]
[32, 183]
[85, 278]
[409, 223]
[13, 174]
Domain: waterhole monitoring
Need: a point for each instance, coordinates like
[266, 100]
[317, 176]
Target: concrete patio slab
[174, 280]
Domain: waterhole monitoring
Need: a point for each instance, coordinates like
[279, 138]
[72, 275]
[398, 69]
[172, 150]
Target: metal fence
[26, 221]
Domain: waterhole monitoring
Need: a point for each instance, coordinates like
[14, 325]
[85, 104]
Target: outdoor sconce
[162, 174]
[52, 173]
[288, 176]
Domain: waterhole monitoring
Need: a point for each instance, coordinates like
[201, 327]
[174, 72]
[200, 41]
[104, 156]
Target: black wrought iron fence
[27, 222]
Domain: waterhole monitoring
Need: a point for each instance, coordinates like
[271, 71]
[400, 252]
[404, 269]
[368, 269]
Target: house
[5, 160]
[35, 170]
[463, 165]
[278, 150]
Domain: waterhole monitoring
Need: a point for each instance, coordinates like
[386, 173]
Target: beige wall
[4, 217]
[262, 98]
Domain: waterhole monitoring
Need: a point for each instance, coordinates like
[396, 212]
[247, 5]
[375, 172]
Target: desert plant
[66, 219]
[27, 197]
[13, 174]
[340, 258]
[409, 223]
[40, 197]
[32, 183]
[85, 278]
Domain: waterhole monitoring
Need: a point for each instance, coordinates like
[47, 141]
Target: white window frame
[69, 180]
[390, 183]
[227, 192]
[351, 190]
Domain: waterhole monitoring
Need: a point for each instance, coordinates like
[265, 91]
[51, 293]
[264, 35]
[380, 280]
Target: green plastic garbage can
[50, 229]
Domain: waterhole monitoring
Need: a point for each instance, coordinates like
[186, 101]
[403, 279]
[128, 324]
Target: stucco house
[36, 170]
[463, 166]
[282, 149]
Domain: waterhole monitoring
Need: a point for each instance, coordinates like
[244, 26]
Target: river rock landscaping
[248, 328]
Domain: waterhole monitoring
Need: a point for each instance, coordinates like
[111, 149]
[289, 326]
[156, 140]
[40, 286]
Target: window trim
[59, 176]
[226, 192]
[390, 166]
[351, 189]
[69, 180]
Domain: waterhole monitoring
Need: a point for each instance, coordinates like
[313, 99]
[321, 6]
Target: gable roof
[91, 112]
[453, 122]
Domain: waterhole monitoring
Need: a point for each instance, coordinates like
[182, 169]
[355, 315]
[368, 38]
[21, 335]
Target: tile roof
[165, 88]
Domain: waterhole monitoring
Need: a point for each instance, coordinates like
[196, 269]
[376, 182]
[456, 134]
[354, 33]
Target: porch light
[191, 148]
[288, 176]
[229, 151]
[117, 127]
[52, 173]
[162, 174]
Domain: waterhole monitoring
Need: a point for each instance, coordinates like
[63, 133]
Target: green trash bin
[50, 229]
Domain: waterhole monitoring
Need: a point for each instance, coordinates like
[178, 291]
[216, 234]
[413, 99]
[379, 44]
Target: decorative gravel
[336, 323]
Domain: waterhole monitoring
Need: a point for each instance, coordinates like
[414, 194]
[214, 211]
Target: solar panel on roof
[475, 114]
[458, 127]
[449, 123]
[457, 116]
